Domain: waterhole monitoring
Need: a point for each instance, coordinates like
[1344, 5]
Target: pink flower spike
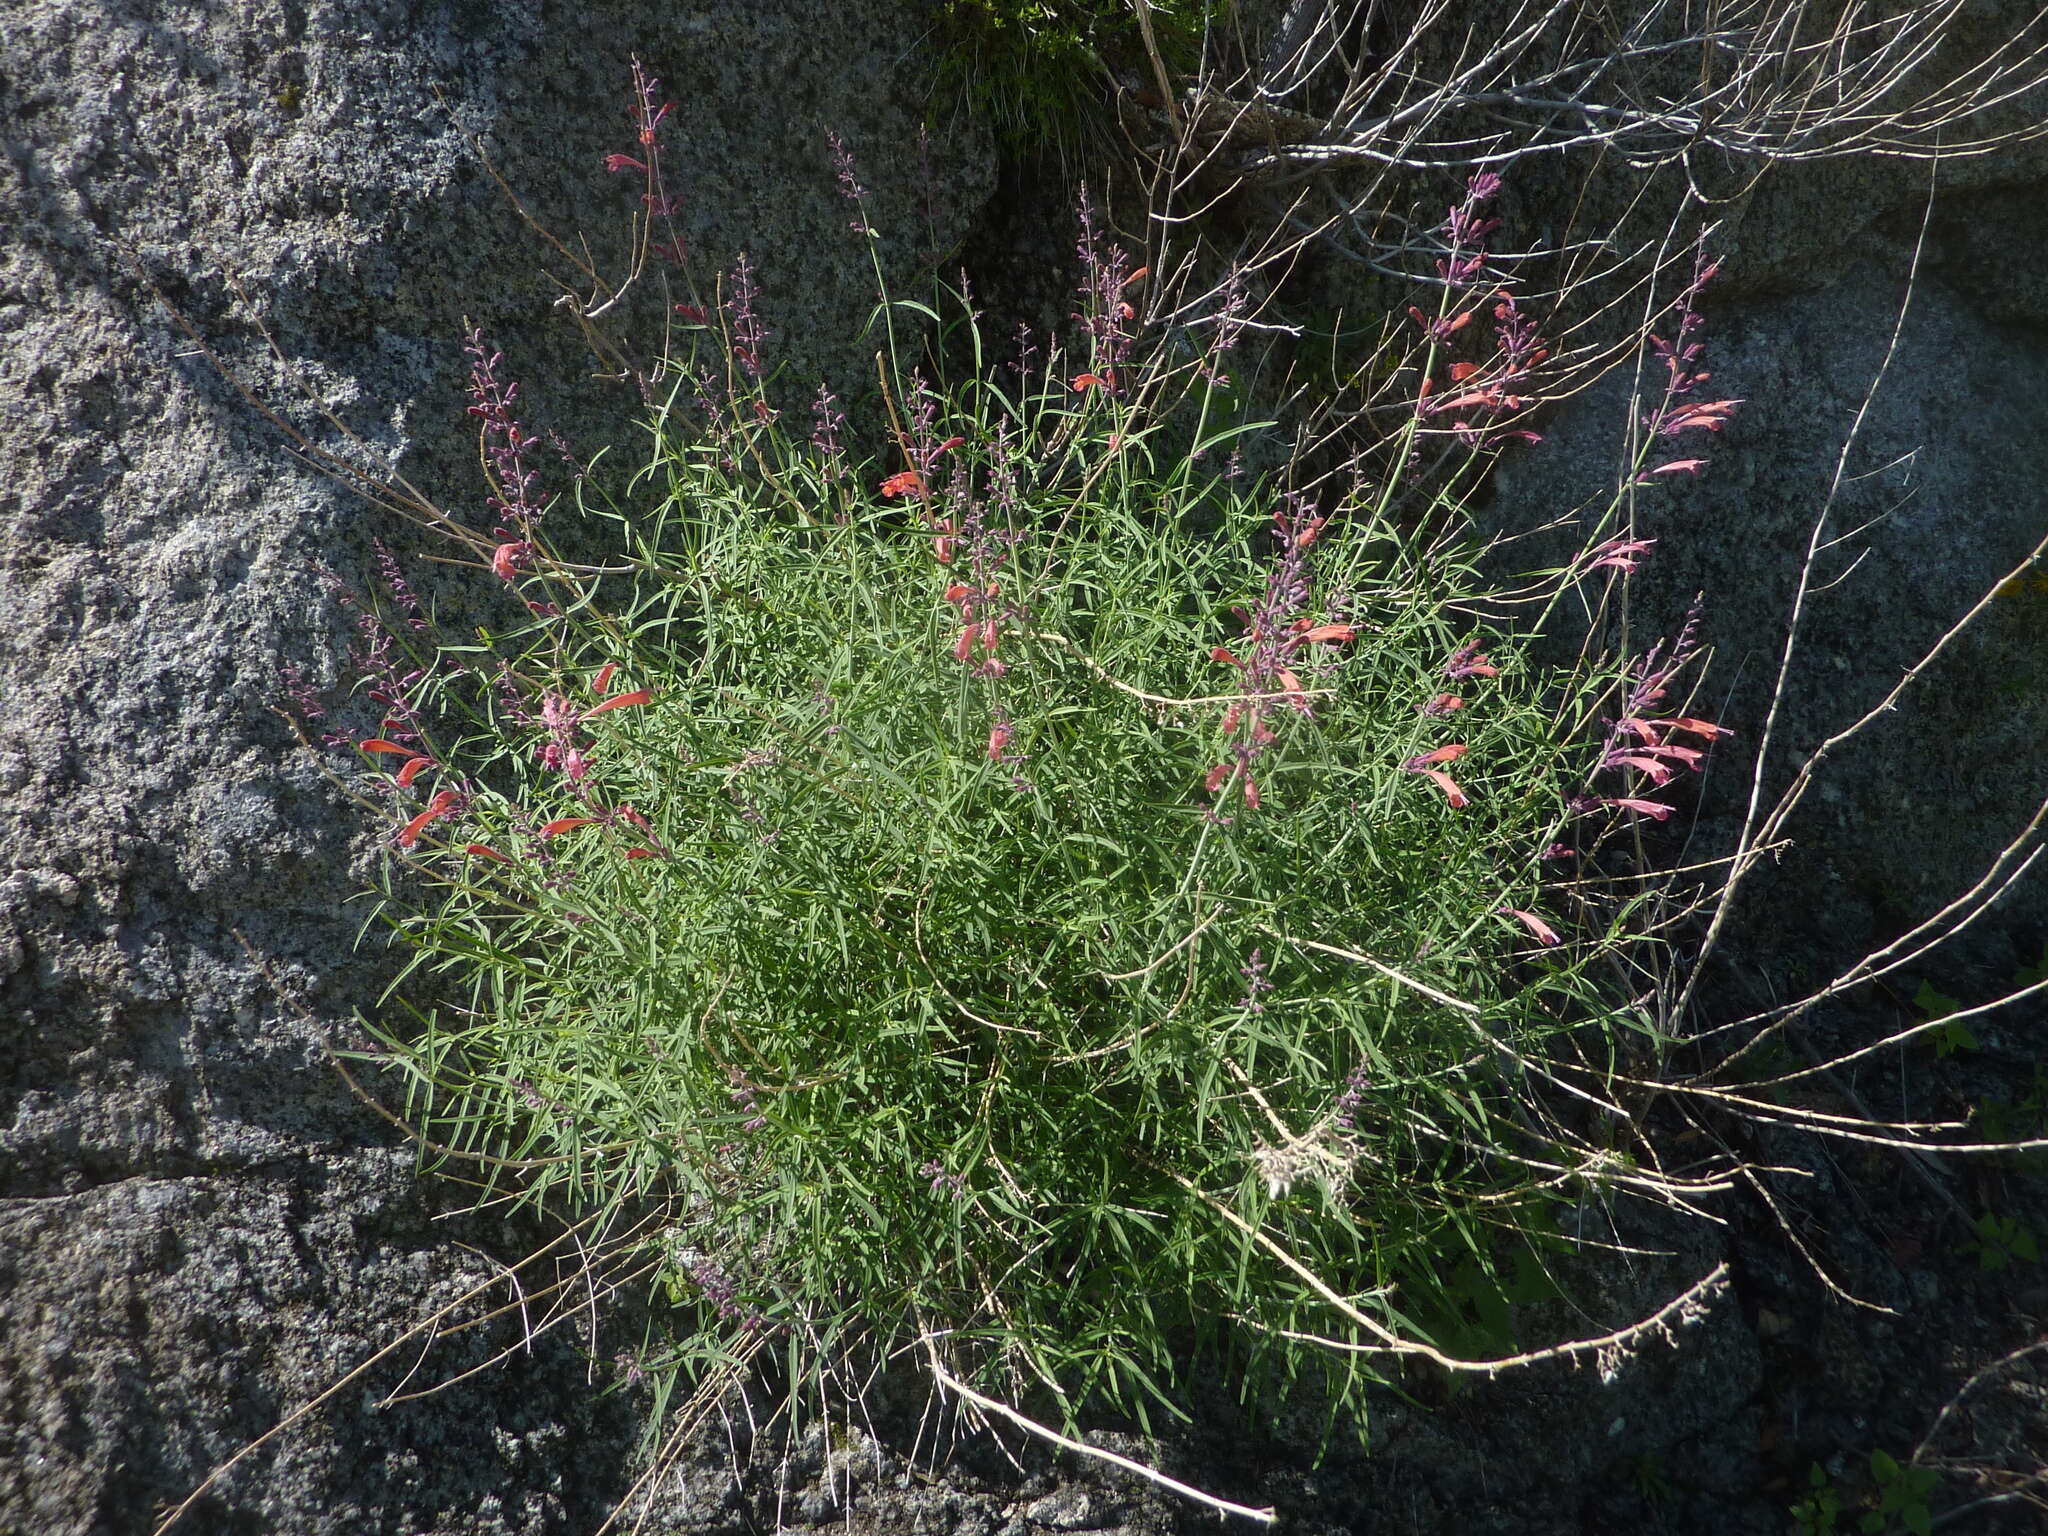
[623, 701]
[1457, 797]
[1622, 554]
[1470, 661]
[1251, 793]
[1215, 778]
[1648, 808]
[998, 740]
[1545, 934]
[1711, 414]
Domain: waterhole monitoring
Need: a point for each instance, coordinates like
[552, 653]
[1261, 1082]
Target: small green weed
[1895, 1503]
[1950, 1038]
[1999, 1241]
[1036, 69]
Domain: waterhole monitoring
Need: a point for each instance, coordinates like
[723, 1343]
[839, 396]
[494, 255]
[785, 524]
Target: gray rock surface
[199, 1228]
[1941, 495]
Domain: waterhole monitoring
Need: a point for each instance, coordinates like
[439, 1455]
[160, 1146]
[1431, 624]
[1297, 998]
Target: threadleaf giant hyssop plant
[1056, 902]
[1053, 901]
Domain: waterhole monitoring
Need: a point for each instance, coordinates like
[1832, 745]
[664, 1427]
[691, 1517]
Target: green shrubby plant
[1056, 903]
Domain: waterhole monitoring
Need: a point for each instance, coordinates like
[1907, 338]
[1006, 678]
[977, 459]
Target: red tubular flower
[1711, 414]
[603, 681]
[379, 744]
[1470, 661]
[623, 701]
[905, 482]
[1545, 934]
[1443, 781]
[1331, 634]
[483, 851]
[412, 770]
[1648, 808]
[1622, 554]
[441, 805]
[567, 824]
[1449, 754]
[1659, 774]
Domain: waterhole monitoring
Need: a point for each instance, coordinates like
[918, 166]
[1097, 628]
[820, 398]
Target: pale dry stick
[612, 1288]
[1773, 823]
[703, 1398]
[1471, 1011]
[1828, 105]
[1903, 951]
[986, 1404]
[917, 942]
[1849, 1128]
[1161, 701]
[1812, 1261]
[1146, 970]
[1144, 9]
[1977, 1379]
[314, 1404]
[1683, 1305]
[1899, 1037]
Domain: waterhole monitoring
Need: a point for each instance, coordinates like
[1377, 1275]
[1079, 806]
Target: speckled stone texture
[199, 1228]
